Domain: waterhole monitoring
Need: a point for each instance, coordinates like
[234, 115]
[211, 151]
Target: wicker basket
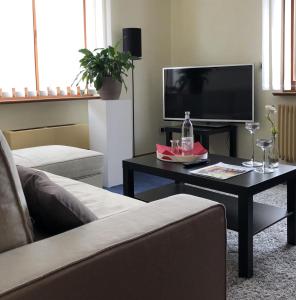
[180, 158]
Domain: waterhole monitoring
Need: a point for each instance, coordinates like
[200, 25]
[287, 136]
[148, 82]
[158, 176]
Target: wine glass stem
[263, 163]
[253, 147]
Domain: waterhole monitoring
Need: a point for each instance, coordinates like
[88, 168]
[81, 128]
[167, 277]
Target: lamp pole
[133, 109]
[132, 43]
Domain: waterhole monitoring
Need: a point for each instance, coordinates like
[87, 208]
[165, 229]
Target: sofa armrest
[169, 249]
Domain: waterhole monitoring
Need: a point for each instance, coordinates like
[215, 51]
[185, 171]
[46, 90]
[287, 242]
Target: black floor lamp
[132, 42]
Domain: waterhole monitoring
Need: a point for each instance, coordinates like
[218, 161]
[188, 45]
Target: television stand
[210, 124]
[203, 133]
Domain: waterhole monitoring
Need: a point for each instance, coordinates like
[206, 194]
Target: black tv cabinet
[203, 133]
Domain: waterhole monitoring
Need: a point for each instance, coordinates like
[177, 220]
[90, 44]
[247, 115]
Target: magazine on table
[221, 171]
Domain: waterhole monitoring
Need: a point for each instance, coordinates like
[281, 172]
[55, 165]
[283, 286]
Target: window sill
[289, 93]
[46, 99]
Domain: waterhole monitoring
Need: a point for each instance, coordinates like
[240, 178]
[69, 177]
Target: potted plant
[105, 68]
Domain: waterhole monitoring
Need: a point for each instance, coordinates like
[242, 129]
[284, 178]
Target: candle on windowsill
[32, 94]
[73, 92]
[19, 94]
[63, 93]
[6, 94]
[43, 93]
[51, 92]
[26, 92]
[91, 92]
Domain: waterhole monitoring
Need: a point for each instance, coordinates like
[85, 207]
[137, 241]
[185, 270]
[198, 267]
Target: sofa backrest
[15, 224]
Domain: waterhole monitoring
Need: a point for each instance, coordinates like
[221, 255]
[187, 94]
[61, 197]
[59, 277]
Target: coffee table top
[251, 182]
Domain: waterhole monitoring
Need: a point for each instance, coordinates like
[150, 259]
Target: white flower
[270, 109]
[270, 116]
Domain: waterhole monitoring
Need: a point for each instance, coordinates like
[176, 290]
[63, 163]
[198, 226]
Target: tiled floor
[143, 182]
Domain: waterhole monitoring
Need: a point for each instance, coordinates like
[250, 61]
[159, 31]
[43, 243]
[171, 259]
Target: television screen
[214, 93]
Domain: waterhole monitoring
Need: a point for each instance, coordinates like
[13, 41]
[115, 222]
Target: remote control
[195, 163]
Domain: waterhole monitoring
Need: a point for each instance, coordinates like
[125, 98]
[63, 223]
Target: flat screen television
[210, 93]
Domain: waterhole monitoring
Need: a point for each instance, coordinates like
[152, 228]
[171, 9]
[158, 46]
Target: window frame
[293, 46]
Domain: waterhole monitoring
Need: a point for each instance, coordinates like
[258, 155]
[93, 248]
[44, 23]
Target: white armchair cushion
[65, 161]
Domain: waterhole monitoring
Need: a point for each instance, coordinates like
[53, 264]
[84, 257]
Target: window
[42, 39]
[17, 45]
[278, 45]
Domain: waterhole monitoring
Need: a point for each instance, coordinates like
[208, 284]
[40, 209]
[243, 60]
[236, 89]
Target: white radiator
[287, 132]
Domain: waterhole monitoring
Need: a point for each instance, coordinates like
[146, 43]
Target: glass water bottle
[187, 135]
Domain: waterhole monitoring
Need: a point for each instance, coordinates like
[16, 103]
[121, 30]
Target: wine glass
[252, 127]
[264, 144]
[175, 147]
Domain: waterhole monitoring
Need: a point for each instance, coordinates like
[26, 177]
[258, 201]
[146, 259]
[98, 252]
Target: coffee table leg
[291, 207]
[128, 181]
[245, 236]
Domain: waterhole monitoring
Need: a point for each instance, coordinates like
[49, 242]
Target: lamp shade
[132, 42]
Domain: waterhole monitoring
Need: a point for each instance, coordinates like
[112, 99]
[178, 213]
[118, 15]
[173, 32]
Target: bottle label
[187, 145]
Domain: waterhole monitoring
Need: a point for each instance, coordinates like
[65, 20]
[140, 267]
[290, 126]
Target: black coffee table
[243, 214]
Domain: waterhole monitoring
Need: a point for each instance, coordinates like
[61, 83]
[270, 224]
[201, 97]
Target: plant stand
[110, 130]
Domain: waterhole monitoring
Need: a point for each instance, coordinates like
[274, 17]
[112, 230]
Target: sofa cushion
[15, 224]
[65, 161]
[101, 202]
[53, 208]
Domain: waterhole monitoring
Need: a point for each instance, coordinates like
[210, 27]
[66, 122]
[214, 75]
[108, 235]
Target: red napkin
[198, 149]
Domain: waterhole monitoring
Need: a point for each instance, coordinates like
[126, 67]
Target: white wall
[154, 17]
[206, 32]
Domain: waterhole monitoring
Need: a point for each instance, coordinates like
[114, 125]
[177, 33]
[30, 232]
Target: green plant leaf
[101, 63]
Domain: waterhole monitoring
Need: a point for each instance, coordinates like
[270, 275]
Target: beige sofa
[72, 162]
[169, 249]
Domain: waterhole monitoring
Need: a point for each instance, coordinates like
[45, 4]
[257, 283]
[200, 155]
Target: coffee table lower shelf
[264, 215]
